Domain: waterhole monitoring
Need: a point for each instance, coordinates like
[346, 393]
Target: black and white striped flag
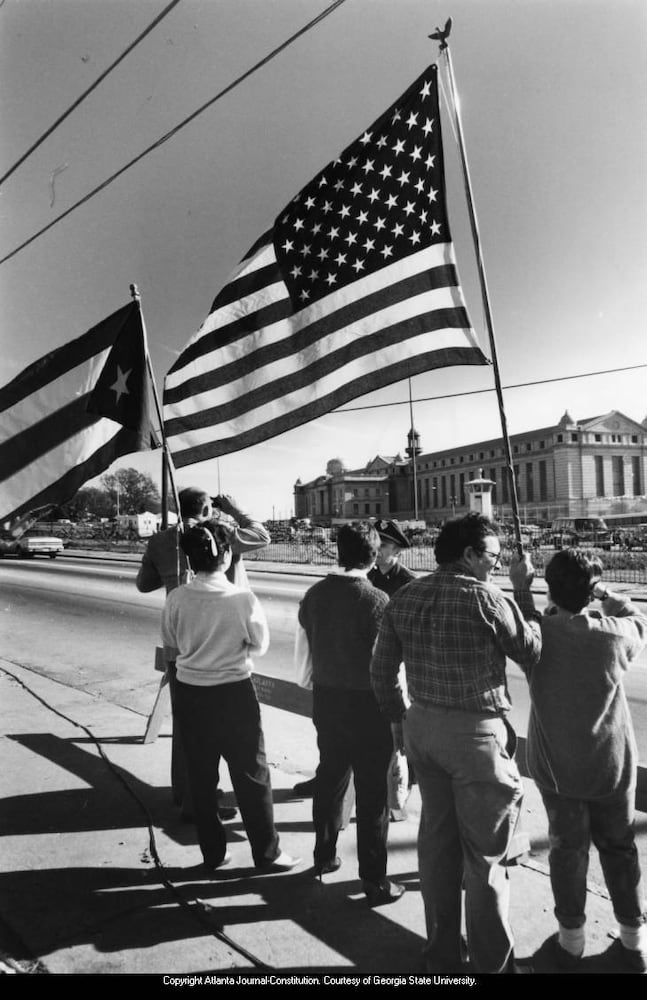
[354, 288]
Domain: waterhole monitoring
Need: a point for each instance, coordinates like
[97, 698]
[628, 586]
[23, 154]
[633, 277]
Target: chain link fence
[619, 566]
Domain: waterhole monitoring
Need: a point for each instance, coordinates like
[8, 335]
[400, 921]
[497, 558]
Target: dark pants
[353, 738]
[179, 776]
[225, 720]
[609, 824]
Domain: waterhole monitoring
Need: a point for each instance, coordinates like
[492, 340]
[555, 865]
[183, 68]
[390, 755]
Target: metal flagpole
[161, 705]
[413, 457]
[167, 462]
[442, 37]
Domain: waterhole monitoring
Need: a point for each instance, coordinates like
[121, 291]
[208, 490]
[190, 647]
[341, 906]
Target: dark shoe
[328, 867]
[563, 960]
[284, 863]
[518, 968]
[397, 815]
[379, 893]
[626, 959]
[304, 788]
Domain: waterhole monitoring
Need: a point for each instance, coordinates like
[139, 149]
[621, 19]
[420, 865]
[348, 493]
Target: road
[84, 623]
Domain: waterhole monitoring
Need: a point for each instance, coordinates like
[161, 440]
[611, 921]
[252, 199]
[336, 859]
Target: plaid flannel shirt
[453, 634]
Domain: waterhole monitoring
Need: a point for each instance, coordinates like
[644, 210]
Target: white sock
[572, 940]
[634, 938]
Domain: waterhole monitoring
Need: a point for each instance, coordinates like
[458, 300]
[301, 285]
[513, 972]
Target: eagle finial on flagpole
[442, 36]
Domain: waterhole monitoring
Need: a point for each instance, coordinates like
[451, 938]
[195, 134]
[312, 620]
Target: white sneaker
[284, 863]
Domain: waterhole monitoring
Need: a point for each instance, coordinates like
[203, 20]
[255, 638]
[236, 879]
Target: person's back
[340, 615]
[453, 629]
[585, 656]
[209, 629]
[219, 626]
[454, 633]
[163, 563]
[582, 753]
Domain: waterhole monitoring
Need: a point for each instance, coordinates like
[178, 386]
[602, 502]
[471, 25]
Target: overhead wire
[86, 93]
[478, 392]
[174, 131]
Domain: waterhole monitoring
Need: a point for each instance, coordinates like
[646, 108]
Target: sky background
[554, 110]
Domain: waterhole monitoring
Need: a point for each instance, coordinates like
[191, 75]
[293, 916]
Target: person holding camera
[582, 753]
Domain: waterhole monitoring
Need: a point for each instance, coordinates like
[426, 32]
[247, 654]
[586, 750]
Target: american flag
[354, 288]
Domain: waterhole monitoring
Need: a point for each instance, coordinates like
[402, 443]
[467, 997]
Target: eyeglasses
[495, 556]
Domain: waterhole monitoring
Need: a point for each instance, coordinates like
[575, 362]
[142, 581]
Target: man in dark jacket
[340, 616]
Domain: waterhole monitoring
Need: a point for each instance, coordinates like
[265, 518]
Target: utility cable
[174, 131]
[478, 392]
[194, 910]
[92, 87]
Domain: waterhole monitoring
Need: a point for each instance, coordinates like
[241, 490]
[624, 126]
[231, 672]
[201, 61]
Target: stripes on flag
[353, 289]
[50, 442]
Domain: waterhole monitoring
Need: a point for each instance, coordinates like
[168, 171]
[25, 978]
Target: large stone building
[578, 468]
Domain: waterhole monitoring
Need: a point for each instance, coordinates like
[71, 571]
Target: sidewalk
[89, 887]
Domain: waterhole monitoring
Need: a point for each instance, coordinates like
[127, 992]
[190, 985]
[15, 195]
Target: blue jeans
[609, 824]
[471, 795]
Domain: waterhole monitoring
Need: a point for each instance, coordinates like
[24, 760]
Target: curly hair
[461, 533]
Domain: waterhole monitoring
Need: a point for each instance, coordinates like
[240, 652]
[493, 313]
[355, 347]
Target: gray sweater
[581, 742]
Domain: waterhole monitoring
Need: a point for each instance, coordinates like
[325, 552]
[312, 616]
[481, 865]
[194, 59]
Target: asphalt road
[84, 623]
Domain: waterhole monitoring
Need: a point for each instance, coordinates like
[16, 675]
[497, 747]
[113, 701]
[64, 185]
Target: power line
[174, 131]
[93, 86]
[478, 392]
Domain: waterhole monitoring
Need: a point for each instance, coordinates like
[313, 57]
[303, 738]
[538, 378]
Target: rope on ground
[195, 910]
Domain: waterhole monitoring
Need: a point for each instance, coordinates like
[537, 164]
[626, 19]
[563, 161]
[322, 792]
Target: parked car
[30, 545]
[580, 531]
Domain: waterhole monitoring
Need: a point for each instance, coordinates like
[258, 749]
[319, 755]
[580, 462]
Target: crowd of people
[408, 665]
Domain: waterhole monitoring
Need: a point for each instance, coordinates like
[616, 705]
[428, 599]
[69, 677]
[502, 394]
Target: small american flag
[354, 288]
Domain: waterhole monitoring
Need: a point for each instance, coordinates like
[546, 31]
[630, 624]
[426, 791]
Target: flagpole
[413, 457]
[444, 49]
[167, 462]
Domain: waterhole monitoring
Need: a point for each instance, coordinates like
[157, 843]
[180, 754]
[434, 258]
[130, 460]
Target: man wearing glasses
[453, 629]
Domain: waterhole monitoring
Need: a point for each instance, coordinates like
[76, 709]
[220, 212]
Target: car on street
[31, 544]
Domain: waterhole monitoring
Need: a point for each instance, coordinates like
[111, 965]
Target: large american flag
[354, 288]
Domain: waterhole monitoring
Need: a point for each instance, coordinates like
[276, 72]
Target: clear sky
[554, 110]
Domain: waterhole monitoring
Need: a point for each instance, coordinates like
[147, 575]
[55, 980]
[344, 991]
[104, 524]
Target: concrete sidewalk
[99, 876]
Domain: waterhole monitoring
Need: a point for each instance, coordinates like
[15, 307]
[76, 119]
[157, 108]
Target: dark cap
[389, 531]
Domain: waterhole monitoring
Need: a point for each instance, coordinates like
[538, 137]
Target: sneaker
[626, 959]
[284, 863]
[380, 893]
[564, 960]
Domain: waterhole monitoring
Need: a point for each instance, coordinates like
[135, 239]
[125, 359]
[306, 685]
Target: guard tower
[479, 491]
